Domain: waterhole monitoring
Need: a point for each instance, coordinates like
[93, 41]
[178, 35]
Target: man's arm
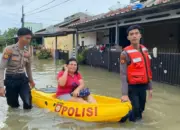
[150, 85]
[29, 71]
[123, 72]
[3, 64]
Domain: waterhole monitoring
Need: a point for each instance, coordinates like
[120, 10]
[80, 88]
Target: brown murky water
[162, 112]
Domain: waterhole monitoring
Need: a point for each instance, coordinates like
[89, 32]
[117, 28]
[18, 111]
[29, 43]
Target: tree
[10, 34]
[2, 40]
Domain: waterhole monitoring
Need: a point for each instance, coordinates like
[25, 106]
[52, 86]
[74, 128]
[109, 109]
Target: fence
[62, 55]
[165, 68]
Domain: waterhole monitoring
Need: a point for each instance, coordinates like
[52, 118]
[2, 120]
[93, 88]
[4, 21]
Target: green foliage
[34, 43]
[44, 54]
[2, 41]
[81, 57]
[7, 36]
[10, 34]
[62, 61]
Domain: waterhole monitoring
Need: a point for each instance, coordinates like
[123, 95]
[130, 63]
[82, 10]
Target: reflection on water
[161, 112]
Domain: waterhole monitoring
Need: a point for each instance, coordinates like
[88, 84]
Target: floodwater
[162, 112]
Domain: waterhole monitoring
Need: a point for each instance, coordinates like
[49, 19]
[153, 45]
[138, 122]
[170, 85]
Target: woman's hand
[62, 76]
[75, 93]
[65, 67]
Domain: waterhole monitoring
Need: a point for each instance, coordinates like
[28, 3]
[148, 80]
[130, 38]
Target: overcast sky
[10, 10]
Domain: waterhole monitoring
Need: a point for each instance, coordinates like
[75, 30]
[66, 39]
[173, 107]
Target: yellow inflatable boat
[107, 109]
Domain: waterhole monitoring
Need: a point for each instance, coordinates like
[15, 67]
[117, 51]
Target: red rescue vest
[139, 70]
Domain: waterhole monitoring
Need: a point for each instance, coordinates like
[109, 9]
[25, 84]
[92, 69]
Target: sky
[11, 10]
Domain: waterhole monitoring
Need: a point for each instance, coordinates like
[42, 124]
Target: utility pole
[77, 43]
[22, 19]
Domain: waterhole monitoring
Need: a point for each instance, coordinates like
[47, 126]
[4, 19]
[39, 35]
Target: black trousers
[137, 96]
[18, 85]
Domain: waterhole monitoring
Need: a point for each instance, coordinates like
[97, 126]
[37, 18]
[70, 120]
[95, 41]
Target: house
[160, 21]
[151, 18]
[59, 36]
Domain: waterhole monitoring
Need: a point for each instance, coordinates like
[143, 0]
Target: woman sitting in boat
[71, 85]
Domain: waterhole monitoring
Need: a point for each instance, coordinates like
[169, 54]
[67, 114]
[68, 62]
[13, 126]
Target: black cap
[24, 31]
[134, 27]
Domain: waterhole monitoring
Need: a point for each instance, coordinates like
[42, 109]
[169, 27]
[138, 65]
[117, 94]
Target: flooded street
[162, 112]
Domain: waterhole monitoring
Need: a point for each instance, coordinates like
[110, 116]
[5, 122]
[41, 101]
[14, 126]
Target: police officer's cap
[24, 31]
[134, 27]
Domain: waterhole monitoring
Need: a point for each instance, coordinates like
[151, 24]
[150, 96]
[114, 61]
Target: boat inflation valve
[46, 103]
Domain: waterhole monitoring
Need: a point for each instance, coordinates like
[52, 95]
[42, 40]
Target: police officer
[14, 59]
[136, 74]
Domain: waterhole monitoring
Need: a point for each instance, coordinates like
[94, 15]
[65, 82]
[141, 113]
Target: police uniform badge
[122, 59]
[7, 54]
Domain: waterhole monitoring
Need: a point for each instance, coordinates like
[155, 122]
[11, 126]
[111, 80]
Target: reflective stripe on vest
[134, 50]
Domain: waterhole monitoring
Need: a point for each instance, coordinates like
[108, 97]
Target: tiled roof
[53, 30]
[128, 8]
[96, 17]
[63, 26]
[57, 30]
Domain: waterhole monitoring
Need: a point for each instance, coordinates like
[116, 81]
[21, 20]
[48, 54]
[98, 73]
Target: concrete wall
[63, 43]
[88, 38]
[103, 37]
[49, 42]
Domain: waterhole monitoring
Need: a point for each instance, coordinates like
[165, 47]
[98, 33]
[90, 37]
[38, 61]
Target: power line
[47, 19]
[29, 3]
[41, 6]
[49, 7]
[43, 18]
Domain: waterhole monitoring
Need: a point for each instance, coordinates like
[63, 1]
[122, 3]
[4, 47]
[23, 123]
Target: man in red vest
[136, 74]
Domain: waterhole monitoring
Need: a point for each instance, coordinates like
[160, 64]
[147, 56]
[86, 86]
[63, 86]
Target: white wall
[89, 38]
[103, 37]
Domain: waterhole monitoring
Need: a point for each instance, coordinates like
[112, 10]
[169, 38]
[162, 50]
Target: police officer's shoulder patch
[122, 59]
[7, 52]
[5, 56]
